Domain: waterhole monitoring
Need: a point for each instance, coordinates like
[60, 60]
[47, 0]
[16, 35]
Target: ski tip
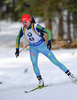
[0, 82]
[26, 91]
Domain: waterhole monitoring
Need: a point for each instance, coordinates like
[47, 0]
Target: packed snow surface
[17, 74]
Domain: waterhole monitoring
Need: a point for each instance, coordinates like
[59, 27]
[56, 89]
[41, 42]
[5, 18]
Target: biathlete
[37, 45]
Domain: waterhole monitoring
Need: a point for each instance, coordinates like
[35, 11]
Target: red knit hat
[26, 18]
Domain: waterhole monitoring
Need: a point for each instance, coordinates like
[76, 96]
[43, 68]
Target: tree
[60, 28]
[72, 9]
[2, 9]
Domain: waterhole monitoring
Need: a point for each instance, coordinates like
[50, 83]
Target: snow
[17, 73]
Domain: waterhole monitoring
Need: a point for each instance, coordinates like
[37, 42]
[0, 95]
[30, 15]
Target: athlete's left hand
[49, 45]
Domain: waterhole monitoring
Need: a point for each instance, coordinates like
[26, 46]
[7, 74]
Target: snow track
[17, 73]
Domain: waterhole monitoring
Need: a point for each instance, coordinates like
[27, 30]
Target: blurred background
[59, 16]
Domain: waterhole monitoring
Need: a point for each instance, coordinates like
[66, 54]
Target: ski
[39, 87]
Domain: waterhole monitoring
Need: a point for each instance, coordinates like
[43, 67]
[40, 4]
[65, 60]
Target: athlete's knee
[33, 61]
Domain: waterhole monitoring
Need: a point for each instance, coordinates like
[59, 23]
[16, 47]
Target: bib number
[30, 36]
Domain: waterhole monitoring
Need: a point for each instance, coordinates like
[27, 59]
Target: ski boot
[71, 76]
[41, 82]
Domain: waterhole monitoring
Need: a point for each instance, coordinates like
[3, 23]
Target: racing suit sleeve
[18, 39]
[39, 28]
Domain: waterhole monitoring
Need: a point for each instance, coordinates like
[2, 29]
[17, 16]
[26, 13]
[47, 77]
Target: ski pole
[23, 48]
[52, 45]
[60, 43]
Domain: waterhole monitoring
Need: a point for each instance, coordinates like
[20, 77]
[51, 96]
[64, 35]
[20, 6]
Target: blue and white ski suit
[37, 45]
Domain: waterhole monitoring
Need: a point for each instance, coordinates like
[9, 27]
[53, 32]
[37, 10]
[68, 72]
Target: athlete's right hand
[17, 53]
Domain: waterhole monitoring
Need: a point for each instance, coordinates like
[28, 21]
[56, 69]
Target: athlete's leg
[34, 59]
[44, 50]
[52, 58]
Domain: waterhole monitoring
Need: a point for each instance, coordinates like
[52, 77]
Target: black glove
[17, 53]
[49, 45]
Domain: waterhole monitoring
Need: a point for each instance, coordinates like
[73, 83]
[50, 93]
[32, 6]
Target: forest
[62, 13]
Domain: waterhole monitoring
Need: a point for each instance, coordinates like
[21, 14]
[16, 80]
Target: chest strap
[32, 25]
[33, 28]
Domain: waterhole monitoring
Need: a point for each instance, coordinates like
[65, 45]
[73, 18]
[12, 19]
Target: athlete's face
[26, 24]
